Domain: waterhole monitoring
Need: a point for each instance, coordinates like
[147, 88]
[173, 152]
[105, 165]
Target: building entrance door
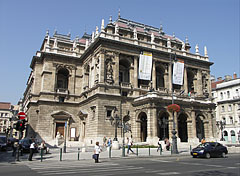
[60, 128]
[143, 126]
[182, 128]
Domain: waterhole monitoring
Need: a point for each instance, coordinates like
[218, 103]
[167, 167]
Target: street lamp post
[221, 125]
[174, 132]
[116, 122]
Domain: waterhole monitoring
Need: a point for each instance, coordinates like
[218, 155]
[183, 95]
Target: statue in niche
[97, 71]
[109, 71]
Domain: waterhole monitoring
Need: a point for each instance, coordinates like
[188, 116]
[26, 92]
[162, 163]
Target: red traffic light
[21, 115]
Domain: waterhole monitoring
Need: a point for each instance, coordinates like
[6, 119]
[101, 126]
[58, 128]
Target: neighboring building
[8, 113]
[226, 95]
[82, 82]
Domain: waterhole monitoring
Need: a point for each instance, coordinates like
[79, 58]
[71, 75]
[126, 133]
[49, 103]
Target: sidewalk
[72, 154]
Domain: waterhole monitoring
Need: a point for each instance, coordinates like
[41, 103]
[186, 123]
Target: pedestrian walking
[167, 144]
[159, 146]
[104, 141]
[32, 149]
[97, 151]
[129, 143]
[14, 148]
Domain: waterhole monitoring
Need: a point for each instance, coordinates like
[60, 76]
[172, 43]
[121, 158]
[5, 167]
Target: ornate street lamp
[221, 125]
[163, 123]
[115, 121]
[174, 132]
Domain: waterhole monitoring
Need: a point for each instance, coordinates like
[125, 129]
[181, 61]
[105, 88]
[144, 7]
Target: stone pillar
[170, 125]
[210, 125]
[206, 128]
[154, 76]
[195, 83]
[199, 83]
[72, 82]
[170, 77]
[116, 69]
[155, 123]
[194, 131]
[185, 82]
[135, 83]
[102, 66]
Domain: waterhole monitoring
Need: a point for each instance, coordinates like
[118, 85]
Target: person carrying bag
[97, 151]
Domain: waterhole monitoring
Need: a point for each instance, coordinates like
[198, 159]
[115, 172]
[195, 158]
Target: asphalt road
[184, 165]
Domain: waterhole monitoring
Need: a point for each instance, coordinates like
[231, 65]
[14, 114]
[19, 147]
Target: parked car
[3, 142]
[25, 145]
[209, 149]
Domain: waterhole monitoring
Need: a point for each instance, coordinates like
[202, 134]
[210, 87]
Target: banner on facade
[145, 66]
[178, 71]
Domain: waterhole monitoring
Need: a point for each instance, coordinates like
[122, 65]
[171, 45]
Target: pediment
[61, 115]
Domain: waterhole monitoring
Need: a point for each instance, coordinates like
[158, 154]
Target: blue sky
[23, 24]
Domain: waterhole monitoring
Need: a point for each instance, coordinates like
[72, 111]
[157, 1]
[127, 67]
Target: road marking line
[169, 173]
[89, 171]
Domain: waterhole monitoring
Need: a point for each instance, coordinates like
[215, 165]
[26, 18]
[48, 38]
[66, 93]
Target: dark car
[3, 142]
[209, 149]
[25, 145]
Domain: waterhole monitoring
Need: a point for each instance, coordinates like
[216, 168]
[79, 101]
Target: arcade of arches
[190, 127]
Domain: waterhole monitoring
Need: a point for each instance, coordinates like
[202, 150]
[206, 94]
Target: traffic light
[16, 125]
[22, 125]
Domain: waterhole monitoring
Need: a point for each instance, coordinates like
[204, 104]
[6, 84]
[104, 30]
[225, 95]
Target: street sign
[21, 115]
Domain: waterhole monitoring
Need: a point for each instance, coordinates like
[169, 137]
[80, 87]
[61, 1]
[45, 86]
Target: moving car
[3, 142]
[209, 149]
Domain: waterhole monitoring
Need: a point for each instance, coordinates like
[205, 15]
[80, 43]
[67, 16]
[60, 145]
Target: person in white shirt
[32, 148]
[129, 143]
[97, 150]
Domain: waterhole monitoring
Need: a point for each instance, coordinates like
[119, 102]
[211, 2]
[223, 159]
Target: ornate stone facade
[81, 82]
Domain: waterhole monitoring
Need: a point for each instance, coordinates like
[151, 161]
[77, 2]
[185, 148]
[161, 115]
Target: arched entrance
[143, 126]
[182, 127]
[163, 130]
[233, 136]
[200, 127]
[225, 135]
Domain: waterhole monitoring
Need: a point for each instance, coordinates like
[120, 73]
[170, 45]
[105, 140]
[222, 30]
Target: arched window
[62, 79]
[231, 120]
[232, 133]
[159, 77]
[221, 95]
[124, 67]
[190, 77]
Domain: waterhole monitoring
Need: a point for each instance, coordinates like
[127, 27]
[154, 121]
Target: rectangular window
[229, 108]
[223, 110]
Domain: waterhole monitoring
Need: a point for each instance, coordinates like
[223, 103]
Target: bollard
[137, 150]
[123, 151]
[78, 153]
[190, 148]
[60, 154]
[41, 154]
[171, 149]
[160, 149]
[109, 154]
[149, 149]
[18, 153]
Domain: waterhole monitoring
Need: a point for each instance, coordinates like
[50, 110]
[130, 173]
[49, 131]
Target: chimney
[234, 75]
[228, 78]
[219, 78]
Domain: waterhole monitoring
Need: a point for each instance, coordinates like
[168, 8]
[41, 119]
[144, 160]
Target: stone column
[194, 131]
[199, 83]
[154, 123]
[154, 76]
[170, 125]
[135, 83]
[206, 128]
[185, 82]
[195, 83]
[170, 77]
[116, 69]
[102, 66]
[210, 125]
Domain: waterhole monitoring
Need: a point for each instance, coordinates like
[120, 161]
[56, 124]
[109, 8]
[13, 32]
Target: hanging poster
[145, 66]
[178, 70]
